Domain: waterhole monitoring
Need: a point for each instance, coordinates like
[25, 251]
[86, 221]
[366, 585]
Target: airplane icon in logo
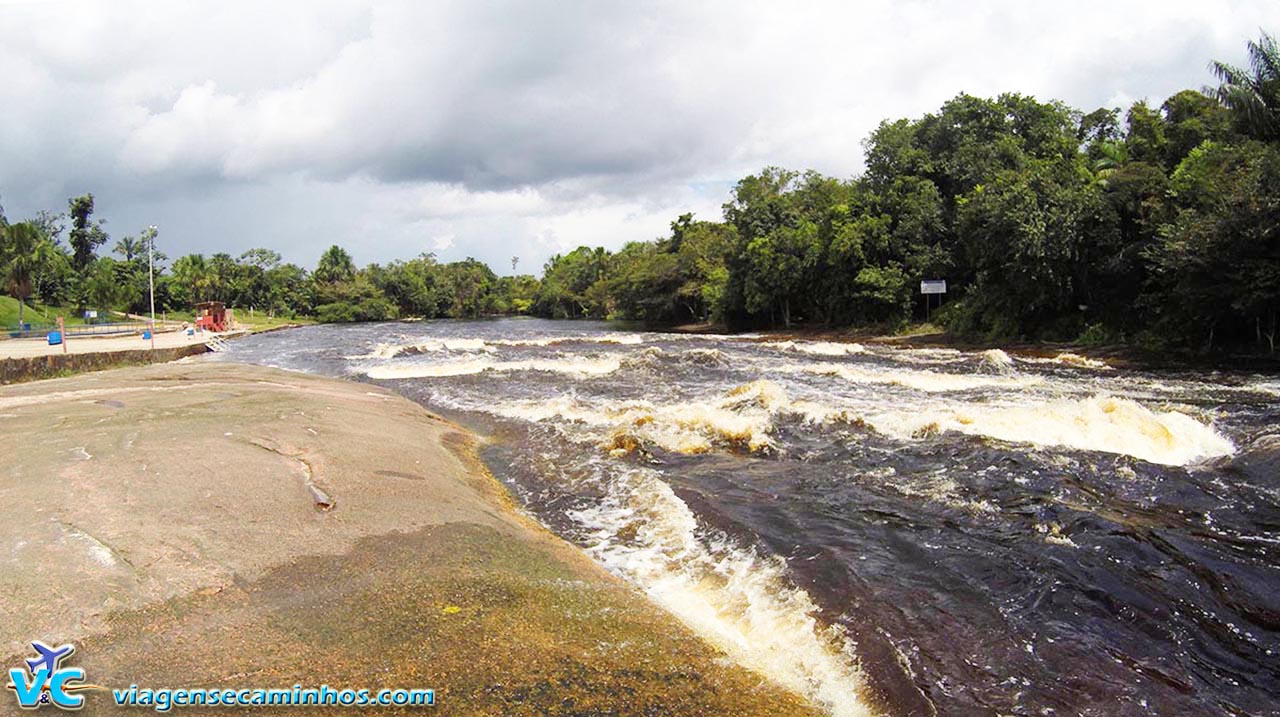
[50, 657]
[49, 682]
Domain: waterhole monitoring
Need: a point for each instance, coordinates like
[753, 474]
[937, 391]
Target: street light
[151, 280]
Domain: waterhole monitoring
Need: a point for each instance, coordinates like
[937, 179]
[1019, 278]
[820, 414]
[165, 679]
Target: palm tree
[335, 265]
[26, 251]
[1111, 157]
[192, 272]
[1253, 93]
[129, 248]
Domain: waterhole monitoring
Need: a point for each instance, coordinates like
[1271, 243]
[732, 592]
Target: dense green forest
[1157, 225]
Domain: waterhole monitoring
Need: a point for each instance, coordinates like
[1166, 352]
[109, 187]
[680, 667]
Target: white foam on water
[389, 351]
[817, 348]
[528, 342]
[741, 419]
[944, 353]
[463, 344]
[713, 337]
[615, 339]
[704, 357]
[457, 345]
[1270, 388]
[930, 381]
[1052, 534]
[996, 359]
[1069, 359]
[1097, 423]
[937, 487]
[919, 356]
[1079, 361]
[687, 427]
[573, 365]
[619, 339]
[731, 596]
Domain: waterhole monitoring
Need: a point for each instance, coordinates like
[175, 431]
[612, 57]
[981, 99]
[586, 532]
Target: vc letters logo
[46, 681]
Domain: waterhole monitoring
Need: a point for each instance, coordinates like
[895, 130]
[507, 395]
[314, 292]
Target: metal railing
[121, 327]
[26, 330]
[32, 330]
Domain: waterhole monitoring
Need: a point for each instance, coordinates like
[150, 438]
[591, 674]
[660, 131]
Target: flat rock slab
[218, 525]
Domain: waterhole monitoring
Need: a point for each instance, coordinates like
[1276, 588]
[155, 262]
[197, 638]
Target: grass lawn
[258, 322]
[9, 312]
[262, 322]
[36, 314]
[39, 315]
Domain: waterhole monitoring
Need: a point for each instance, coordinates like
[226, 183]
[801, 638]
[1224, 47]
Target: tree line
[1157, 225]
[53, 259]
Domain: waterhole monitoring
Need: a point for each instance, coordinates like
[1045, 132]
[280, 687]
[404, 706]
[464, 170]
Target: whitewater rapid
[728, 593]
[1009, 406]
[611, 434]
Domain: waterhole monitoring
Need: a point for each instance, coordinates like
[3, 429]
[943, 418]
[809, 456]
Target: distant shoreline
[1118, 355]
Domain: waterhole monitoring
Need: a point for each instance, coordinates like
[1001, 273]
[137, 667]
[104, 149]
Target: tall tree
[574, 284]
[23, 251]
[335, 265]
[102, 287]
[781, 265]
[264, 259]
[1253, 93]
[86, 234]
[191, 275]
[129, 248]
[1192, 118]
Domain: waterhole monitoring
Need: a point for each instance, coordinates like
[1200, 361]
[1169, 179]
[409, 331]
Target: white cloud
[442, 242]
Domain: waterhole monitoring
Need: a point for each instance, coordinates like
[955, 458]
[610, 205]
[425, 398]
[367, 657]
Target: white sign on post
[933, 286]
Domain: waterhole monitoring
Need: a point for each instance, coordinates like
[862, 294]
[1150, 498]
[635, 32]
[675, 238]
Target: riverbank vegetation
[1156, 224]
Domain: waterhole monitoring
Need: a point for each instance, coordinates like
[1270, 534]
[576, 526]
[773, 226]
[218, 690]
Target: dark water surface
[910, 531]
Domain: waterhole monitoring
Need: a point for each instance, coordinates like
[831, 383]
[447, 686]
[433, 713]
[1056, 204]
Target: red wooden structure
[211, 316]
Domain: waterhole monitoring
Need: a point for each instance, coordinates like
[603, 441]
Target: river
[884, 530]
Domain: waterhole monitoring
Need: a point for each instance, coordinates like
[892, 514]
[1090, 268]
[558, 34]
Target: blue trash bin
[55, 338]
[146, 335]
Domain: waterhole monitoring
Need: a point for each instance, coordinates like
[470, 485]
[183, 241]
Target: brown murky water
[921, 531]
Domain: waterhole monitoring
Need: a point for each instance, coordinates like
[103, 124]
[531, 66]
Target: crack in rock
[320, 499]
[100, 551]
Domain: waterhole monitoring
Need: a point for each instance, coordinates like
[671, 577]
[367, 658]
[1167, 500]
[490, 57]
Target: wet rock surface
[159, 518]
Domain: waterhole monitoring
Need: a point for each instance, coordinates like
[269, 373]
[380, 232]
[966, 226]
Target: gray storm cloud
[497, 129]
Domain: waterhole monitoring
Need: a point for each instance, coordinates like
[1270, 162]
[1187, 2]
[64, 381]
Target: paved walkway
[24, 348]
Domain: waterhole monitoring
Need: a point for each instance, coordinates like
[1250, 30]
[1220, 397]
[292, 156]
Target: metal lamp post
[151, 281]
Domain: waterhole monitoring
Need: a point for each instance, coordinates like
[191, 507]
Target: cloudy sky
[495, 130]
